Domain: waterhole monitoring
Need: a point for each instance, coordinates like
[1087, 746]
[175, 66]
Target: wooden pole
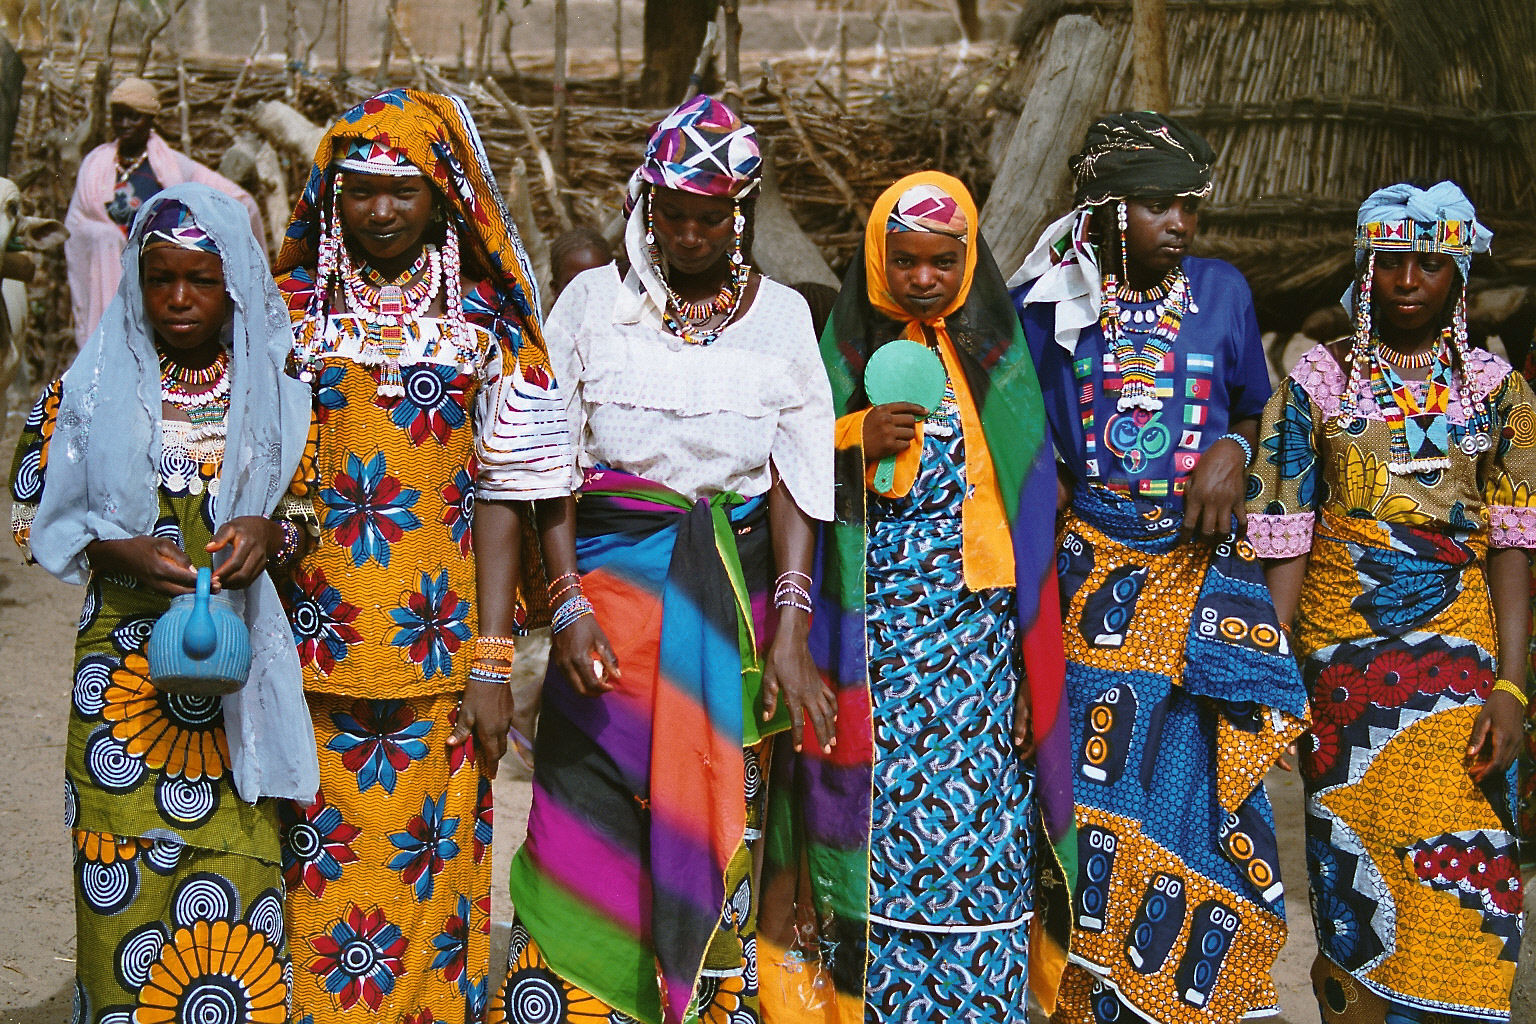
[291, 49]
[1149, 29]
[1033, 185]
[387, 47]
[546, 165]
[618, 51]
[341, 40]
[730, 11]
[842, 62]
[112, 29]
[562, 33]
[487, 32]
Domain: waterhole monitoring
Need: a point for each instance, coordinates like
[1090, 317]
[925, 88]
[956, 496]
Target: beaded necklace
[205, 409]
[1418, 361]
[685, 319]
[1138, 367]
[126, 172]
[385, 315]
[1421, 433]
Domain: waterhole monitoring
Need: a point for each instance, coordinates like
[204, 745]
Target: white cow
[16, 268]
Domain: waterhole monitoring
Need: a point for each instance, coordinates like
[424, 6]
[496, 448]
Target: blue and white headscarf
[1405, 218]
[103, 473]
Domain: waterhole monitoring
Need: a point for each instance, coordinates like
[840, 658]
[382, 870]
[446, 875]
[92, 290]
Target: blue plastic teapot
[200, 645]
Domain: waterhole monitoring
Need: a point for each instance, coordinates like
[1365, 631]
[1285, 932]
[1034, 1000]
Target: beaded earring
[1123, 222]
[1355, 368]
[458, 328]
[738, 261]
[650, 224]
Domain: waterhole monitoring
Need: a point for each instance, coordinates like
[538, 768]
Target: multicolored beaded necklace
[386, 305]
[683, 318]
[206, 409]
[1138, 367]
[1421, 432]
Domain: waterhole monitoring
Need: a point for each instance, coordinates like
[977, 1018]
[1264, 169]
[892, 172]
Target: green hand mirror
[902, 371]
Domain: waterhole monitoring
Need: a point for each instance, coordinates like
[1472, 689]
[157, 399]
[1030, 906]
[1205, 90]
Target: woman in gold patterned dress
[1392, 494]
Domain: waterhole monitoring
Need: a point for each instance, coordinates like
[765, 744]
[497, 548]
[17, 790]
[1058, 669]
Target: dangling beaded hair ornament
[1428, 421]
[1138, 368]
[683, 318]
[390, 310]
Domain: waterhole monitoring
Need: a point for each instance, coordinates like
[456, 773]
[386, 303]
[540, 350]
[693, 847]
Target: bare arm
[1498, 731]
[581, 650]
[789, 668]
[1284, 576]
[487, 708]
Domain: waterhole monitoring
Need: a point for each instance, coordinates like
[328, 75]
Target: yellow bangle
[1513, 690]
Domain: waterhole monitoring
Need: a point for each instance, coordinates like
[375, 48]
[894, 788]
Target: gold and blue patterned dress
[1414, 872]
[951, 872]
[178, 894]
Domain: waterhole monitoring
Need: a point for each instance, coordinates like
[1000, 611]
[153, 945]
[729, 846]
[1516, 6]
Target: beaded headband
[369, 156]
[1452, 237]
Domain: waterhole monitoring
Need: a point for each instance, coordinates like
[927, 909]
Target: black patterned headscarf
[1140, 155]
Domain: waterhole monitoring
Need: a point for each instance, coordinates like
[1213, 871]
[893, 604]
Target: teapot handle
[200, 637]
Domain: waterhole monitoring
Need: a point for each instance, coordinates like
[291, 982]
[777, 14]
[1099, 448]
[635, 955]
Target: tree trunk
[12, 71]
[780, 248]
[674, 31]
[1033, 184]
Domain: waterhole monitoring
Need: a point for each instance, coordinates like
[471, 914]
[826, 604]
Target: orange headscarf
[987, 546]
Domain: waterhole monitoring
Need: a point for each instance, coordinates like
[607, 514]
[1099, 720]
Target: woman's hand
[791, 670]
[1216, 492]
[1023, 721]
[156, 562]
[1496, 736]
[889, 429]
[251, 541]
[582, 652]
[486, 714]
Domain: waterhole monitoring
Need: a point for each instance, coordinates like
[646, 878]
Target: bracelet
[290, 545]
[793, 572]
[495, 648]
[554, 595]
[493, 675]
[554, 584]
[791, 587]
[569, 612]
[793, 602]
[1242, 443]
[1514, 691]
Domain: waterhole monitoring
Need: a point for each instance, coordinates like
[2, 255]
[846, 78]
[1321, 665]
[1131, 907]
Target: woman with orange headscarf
[938, 600]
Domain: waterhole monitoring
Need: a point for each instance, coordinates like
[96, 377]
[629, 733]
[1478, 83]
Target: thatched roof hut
[1311, 104]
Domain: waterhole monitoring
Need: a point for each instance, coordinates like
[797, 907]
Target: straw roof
[1312, 104]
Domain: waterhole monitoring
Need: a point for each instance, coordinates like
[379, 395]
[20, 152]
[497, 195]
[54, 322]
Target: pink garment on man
[95, 246]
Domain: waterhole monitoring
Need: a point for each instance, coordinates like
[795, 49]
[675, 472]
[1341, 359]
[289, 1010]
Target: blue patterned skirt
[951, 874]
